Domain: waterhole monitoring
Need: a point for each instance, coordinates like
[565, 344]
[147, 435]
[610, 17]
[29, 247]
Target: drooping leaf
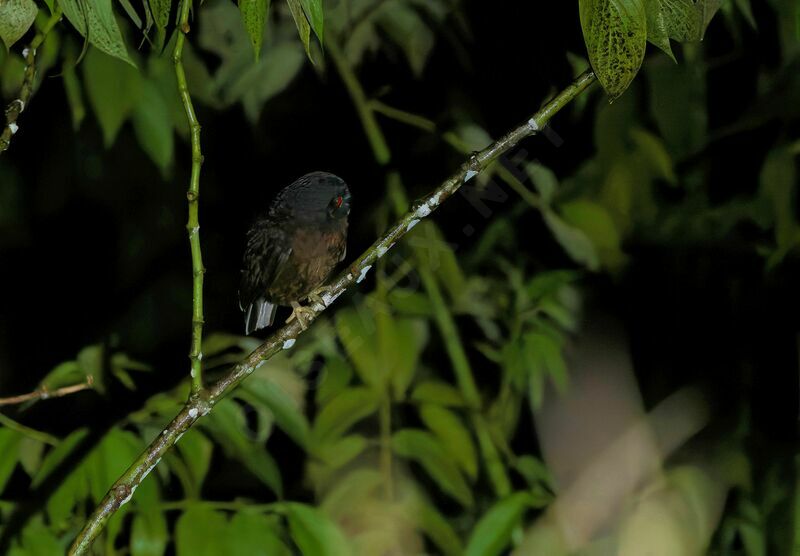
[573, 240]
[314, 533]
[114, 90]
[343, 411]
[436, 527]
[615, 32]
[492, 533]
[200, 531]
[303, 27]
[16, 17]
[9, 454]
[161, 10]
[313, 11]
[95, 21]
[406, 28]
[454, 436]
[153, 128]
[287, 413]
[255, 535]
[254, 15]
[425, 449]
[441, 393]
[195, 450]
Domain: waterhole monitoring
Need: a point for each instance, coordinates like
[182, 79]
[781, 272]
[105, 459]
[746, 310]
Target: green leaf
[58, 455]
[544, 180]
[425, 449]
[195, 450]
[161, 9]
[454, 437]
[436, 527]
[153, 127]
[148, 534]
[200, 532]
[314, 533]
[16, 17]
[359, 335]
[268, 77]
[492, 533]
[313, 10]
[343, 411]
[114, 90]
[438, 392]
[303, 28]
[95, 20]
[129, 9]
[573, 240]
[254, 15]
[228, 427]
[9, 454]
[341, 451]
[596, 223]
[287, 413]
[406, 28]
[359, 484]
[254, 535]
[615, 32]
[30, 455]
[657, 32]
[72, 87]
[403, 341]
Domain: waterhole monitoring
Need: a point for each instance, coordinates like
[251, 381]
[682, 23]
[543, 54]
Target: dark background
[98, 251]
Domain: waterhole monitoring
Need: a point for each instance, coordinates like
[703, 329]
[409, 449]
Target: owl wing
[265, 257]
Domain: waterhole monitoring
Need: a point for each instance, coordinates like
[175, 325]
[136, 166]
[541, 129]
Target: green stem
[197, 406]
[16, 106]
[10, 423]
[193, 197]
[380, 149]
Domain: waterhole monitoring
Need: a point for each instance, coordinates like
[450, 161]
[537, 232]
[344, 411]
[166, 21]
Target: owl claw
[301, 313]
[316, 297]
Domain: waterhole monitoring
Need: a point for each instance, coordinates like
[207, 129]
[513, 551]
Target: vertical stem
[193, 197]
[377, 141]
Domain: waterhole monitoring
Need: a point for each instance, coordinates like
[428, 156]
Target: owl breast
[314, 255]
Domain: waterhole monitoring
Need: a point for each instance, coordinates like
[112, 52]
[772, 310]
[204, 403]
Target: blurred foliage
[401, 451]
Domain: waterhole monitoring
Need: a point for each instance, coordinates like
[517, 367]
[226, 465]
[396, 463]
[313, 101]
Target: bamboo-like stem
[16, 106]
[44, 393]
[193, 197]
[197, 406]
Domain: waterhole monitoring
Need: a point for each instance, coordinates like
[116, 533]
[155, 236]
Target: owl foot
[301, 313]
[317, 297]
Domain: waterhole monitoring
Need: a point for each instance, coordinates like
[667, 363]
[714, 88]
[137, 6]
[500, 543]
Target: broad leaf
[95, 21]
[314, 533]
[16, 17]
[492, 534]
[615, 32]
[254, 15]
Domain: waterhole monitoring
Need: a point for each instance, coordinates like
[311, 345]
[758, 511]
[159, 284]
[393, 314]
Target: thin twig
[16, 106]
[197, 406]
[193, 197]
[43, 393]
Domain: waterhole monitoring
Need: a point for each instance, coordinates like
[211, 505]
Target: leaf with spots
[95, 21]
[254, 15]
[16, 17]
[615, 32]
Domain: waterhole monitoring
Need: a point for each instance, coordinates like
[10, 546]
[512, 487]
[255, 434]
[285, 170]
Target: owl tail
[260, 314]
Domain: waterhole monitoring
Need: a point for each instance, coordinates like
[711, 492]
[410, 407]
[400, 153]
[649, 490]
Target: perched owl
[293, 247]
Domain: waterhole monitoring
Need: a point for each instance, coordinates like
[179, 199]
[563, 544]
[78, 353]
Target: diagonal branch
[16, 106]
[198, 405]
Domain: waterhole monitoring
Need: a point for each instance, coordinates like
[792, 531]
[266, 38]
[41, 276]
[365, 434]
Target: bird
[292, 248]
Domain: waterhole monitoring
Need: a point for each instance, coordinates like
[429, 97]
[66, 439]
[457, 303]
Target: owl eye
[339, 201]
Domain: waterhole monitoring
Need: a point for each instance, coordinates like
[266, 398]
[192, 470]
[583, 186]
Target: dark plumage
[293, 247]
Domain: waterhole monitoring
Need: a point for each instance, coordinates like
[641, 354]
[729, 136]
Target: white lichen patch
[13, 127]
[177, 438]
[193, 413]
[423, 211]
[330, 297]
[469, 175]
[149, 469]
[288, 343]
[382, 249]
[363, 274]
[128, 498]
[412, 224]
[533, 124]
